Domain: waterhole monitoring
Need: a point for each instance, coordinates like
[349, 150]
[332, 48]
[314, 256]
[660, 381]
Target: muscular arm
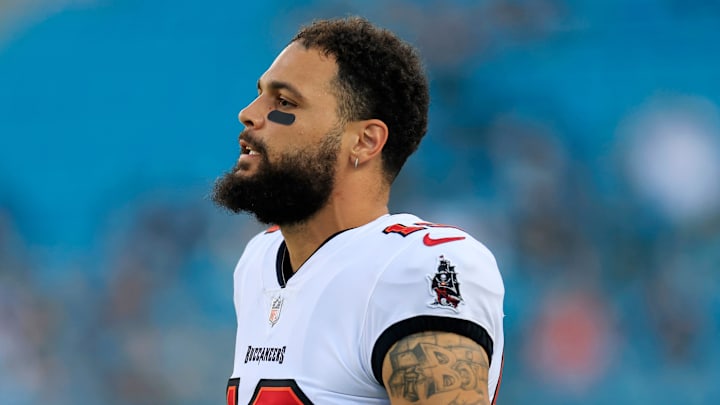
[436, 368]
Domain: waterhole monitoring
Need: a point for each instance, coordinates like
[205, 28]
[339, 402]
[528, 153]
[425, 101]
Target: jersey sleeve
[446, 282]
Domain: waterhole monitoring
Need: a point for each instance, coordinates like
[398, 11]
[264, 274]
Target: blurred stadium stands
[579, 140]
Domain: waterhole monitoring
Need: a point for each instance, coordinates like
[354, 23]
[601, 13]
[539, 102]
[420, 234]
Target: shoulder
[415, 230]
[422, 246]
[267, 236]
[263, 242]
[440, 279]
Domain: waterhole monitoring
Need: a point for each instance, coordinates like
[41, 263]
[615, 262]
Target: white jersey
[321, 337]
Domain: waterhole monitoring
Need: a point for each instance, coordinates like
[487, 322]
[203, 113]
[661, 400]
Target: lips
[251, 152]
[248, 149]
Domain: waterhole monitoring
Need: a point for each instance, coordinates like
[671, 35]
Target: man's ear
[371, 140]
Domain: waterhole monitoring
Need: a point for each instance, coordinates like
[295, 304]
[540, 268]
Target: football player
[341, 302]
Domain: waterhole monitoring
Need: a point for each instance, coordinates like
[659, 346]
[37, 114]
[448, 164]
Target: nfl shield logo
[275, 308]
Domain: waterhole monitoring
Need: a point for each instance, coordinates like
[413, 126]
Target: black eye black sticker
[280, 117]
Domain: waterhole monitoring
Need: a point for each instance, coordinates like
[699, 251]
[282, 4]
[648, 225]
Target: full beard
[288, 192]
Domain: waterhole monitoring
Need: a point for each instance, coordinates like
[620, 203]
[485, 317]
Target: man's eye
[285, 103]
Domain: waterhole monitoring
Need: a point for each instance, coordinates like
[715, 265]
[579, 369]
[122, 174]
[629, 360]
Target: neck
[343, 211]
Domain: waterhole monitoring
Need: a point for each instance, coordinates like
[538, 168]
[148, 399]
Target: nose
[251, 115]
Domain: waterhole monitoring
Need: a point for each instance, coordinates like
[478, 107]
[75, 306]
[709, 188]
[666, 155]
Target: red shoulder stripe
[497, 387]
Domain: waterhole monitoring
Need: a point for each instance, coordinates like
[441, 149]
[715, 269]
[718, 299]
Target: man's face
[289, 148]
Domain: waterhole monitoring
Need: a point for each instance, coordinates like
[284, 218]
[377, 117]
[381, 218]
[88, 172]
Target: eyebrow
[276, 85]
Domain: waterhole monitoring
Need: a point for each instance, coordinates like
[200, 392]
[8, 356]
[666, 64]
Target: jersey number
[405, 230]
[270, 392]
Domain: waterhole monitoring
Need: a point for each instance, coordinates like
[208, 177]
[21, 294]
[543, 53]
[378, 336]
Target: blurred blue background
[579, 140]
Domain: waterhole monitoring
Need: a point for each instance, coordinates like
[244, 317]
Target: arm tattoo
[442, 365]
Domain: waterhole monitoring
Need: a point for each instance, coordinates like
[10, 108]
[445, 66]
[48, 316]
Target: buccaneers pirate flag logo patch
[444, 286]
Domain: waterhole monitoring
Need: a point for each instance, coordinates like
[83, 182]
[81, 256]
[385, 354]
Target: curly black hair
[379, 76]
